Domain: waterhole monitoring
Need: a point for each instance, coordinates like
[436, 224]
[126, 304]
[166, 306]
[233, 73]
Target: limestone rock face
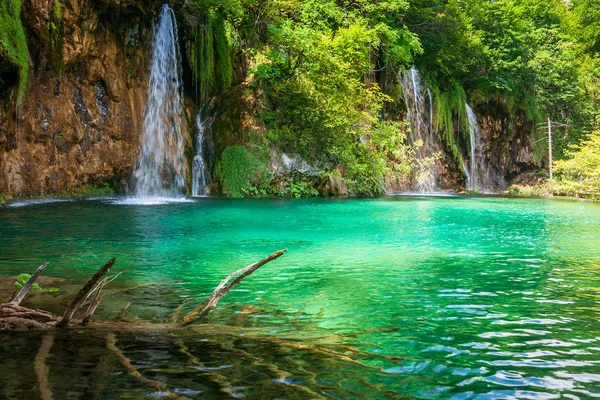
[507, 145]
[79, 123]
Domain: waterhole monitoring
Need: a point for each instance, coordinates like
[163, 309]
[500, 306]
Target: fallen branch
[14, 317]
[225, 288]
[111, 344]
[82, 294]
[17, 318]
[121, 314]
[40, 367]
[94, 304]
[85, 301]
[25, 289]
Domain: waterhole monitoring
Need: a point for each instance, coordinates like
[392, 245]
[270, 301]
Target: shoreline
[10, 201]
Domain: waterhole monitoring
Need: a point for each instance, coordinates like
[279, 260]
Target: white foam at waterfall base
[160, 169]
[149, 201]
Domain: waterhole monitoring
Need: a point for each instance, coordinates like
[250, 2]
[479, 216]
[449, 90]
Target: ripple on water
[465, 291]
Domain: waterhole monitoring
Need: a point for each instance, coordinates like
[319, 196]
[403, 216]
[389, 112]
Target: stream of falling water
[203, 150]
[423, 135]
[160, 169]
[473, 137]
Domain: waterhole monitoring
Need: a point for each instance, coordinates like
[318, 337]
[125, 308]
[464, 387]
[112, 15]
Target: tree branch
[82, 294]
[25, 289]
[224, 288]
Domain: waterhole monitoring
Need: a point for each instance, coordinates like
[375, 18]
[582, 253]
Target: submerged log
[41, 369]
[17, 318]
[111, 344]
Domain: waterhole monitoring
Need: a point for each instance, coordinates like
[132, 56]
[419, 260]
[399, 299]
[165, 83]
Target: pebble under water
[411, 297]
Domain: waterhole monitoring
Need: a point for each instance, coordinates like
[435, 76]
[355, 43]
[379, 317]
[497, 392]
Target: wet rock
[335, 185]
[101, 100]
[80, 106]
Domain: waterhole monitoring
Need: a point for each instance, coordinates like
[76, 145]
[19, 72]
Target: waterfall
[421, 123]
[161, 166]
[472, 181]
[430, 110]
[202, 157]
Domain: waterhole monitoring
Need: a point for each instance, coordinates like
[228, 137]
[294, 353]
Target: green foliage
[13, 43]
[297, 190]
[22, 280]
[323, 71]
[579, 173]
[209, 46]
[242, 169]
[313, 73]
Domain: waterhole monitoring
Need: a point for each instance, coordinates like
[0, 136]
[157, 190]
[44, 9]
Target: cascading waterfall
[421, 128]
[161, 167]
[203, 153]
[472, 177]
[483, 174]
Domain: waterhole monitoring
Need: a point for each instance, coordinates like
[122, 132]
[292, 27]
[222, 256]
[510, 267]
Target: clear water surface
[480, 297]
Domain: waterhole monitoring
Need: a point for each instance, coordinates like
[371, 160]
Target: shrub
[241, 169]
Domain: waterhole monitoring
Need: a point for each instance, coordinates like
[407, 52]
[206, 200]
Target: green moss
[57, 10]
[241, 169]
[450, 107]
[56, 29]
[13, 43]
[210, 55]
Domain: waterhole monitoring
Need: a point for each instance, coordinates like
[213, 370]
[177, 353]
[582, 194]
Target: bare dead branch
[81, 295]
[85, 302]
[25, 289]
[94, 304]
[205, 308]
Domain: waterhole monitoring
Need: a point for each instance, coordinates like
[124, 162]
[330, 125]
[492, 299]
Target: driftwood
[25, 289]
[121, 314]
[83, 293]
[224, 288]
[14, 317]
[94, 304]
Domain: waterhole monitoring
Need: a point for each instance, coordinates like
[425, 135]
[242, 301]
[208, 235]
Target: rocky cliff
[77, 124]
[73, 121]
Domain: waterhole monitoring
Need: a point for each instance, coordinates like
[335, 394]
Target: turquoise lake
[481, 297]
